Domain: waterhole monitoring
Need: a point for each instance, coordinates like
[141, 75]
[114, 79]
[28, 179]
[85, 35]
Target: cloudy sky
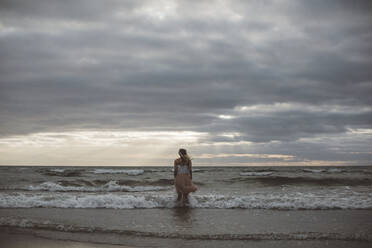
[234, 82]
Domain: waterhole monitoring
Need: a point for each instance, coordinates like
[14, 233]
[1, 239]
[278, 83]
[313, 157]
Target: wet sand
[183, 227]
[17, 238]
[10, 239]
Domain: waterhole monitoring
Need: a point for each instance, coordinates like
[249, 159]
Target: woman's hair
[183, 153]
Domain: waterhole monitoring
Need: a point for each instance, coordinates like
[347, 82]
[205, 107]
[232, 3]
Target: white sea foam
[119, 171]
[313, 170]
[57, 170]
[111, 186]
[331, 170]
[259, 173]
[334, 170]
[320, 200]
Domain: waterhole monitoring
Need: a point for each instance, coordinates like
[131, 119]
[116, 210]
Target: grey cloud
[288, 125]
[329, 148]
[180, 73]
[69, 9]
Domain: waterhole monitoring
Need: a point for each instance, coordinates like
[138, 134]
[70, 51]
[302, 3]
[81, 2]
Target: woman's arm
[190, 169]
[175, 169]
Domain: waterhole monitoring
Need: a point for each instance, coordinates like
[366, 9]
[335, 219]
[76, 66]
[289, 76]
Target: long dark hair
[183, 154]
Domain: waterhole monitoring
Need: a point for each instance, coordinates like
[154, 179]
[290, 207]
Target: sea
[144, 199]
[219, 187]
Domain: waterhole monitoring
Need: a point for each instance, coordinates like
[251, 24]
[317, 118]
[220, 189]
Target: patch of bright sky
[226, 117]
[41, 26]
[288, 106]
[250, 155]
[285, 163]
[158, 10]
[7, 30]
[95, 148]
[145, 148]
[100, 138]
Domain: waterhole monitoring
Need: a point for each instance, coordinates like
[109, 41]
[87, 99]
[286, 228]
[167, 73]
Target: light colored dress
[183, 181]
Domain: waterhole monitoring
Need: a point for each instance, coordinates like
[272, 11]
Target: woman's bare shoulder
[177, 160]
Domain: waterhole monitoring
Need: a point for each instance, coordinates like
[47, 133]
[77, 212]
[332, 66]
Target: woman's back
[183, 176]
[183, 168]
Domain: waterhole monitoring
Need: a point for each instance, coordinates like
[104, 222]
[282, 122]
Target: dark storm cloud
[121, 65]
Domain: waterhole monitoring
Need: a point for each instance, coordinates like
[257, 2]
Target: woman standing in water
[183, 176]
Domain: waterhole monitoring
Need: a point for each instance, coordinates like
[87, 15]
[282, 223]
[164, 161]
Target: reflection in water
[182, 217]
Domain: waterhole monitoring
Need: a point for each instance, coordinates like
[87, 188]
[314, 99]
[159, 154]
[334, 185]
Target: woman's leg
[186, 197]
[178, 188]
[179, 197]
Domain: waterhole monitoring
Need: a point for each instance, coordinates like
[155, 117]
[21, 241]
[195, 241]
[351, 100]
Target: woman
[183, 176]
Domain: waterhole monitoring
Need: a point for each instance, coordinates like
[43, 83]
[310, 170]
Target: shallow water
[177, 227]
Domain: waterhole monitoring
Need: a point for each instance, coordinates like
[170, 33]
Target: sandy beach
[22, 240]
[17, 239]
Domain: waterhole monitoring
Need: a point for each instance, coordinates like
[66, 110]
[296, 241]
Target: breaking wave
[259, 173]
[111, 186]
[330, 170]
[288, 201]
[268, 179]
[118, 171]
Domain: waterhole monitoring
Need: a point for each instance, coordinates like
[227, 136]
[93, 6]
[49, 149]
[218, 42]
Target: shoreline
[194, 166]
[28, 238]
[16, 238]
[191, 227]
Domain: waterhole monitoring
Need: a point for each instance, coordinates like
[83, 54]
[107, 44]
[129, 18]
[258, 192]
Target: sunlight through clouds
[130, 82]
[288, 106]
[159, 10]
[96, 147]
[224, 155]
[100, 138]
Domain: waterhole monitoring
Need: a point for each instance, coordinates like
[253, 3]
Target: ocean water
[232, 204]
[282, 188]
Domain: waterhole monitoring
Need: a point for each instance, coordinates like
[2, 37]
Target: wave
[65, 173]
[330, 170]
[98, 185]
[128, 182]
[259, 173]
[57, 170]
[119, 171]
[61, 172]
[285, 201]
[283, 180]
[111, 186]
[313, 170]
[53, 226]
